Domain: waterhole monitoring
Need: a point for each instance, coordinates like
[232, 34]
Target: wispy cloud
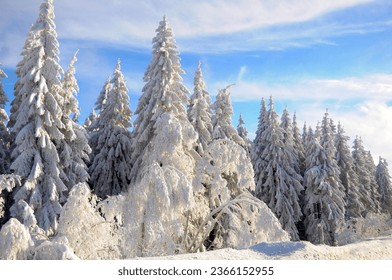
[202, 26]
[369, 87]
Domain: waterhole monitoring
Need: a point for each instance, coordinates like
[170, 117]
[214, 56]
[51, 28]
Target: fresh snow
[371, 249]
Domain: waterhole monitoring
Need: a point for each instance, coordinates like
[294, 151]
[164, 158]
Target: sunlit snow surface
[372, 249]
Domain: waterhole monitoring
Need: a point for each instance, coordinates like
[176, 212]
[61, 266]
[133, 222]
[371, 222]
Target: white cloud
[238, 25]
[375, 86]
[371, 120]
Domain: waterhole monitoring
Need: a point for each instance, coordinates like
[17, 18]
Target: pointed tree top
[75, 54]
[271, 102]
[164, 25]
[118, 65]
[199, 66]
[241, 121]
[226, 89]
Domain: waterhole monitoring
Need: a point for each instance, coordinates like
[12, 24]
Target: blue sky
[309, 55]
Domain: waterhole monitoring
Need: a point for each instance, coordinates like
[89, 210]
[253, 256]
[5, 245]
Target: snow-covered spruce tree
[73, 148]
[324, 197]
[237, 219]
[369, 195]
[163, 155]
[298, 145]
[221, 120]
[384, 182]
[282, 184]
[348, 177]
[199, 111]
[243, 133]
[258, 147]
[4, 134]
[289, 141]
[96, 126]
[111, 169]
[304, 137]
[371, 167]
[90, 120]
[38, 124]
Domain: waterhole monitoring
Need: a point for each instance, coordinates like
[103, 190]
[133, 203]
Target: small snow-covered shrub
[372, 226]
[15, 241]
[56, 249]
[88, 233]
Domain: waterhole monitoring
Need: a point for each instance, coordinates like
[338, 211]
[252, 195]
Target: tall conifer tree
[199, 110]
[282, 184]
[324, 196]
[348, 177]
[368, 193]
[163, 154]
[384, 182]
[111, 169]
[38, 123]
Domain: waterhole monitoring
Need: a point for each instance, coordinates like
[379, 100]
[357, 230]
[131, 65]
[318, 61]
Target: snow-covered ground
[372, 249]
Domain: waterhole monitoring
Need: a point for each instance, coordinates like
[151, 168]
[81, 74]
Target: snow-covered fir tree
[304, 136]
[90, 120]
[258, 147]
[111, 168]
[73, 148]
[96, 126]
[199, 111]
[384, 182]
[324, 196]
[38, 124]
[163, 154]
[243, 133]
[369, 195]
[298, 145]
[221, 120]
[4, 134]
[371, 168]
[282, 184]
[163, 100]
[289, 141]
[348, 177]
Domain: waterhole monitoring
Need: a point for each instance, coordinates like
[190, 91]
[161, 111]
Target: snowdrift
[372, 249]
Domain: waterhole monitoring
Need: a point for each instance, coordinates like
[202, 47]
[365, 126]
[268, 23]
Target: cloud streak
[371, 87]
[200, 26]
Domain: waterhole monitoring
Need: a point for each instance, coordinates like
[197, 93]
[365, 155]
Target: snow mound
[365, 250]
[55, 250]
